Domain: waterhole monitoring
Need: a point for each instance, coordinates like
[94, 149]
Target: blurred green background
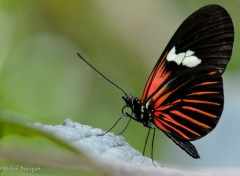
[43, 80]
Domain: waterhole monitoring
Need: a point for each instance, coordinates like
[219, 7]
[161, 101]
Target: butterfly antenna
[98, 72]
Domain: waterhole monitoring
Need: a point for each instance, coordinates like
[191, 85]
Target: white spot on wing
[185, 58]
[179, 58]
[191, 61]
[189, 53]
[172, 54]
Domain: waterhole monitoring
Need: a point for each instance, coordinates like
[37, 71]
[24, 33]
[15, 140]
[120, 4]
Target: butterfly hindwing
[190, 104]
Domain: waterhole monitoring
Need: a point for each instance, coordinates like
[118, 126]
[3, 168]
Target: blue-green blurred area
[43, 79]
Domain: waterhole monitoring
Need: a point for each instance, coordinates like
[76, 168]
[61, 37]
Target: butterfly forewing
[207, 35]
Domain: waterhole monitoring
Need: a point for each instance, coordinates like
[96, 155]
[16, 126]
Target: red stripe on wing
[167, 125]
[201, 93]
[201, 102]
[181, 115]
[200, 111]
[158, 76]
[171, 120]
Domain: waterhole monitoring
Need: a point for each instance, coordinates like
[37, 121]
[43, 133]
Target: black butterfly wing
[185, 88]
[206, 35]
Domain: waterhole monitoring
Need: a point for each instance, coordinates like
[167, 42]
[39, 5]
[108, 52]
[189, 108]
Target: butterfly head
[133, 104]
[138, 110]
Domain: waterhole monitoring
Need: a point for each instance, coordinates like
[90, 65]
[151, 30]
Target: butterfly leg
[153, 137]
[146, 141]
[129, 119]
[112, 126]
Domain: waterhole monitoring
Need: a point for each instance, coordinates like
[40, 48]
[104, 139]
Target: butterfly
[183, 96]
